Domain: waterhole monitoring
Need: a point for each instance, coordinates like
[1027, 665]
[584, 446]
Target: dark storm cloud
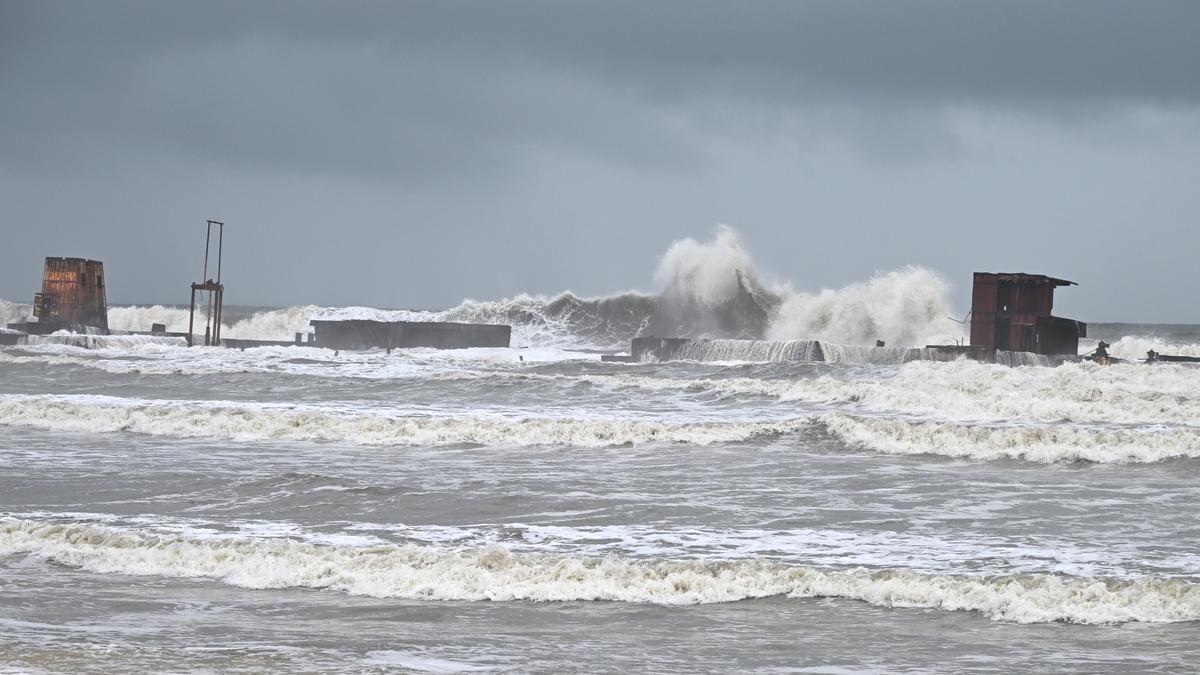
[413, 153]
[422, 89]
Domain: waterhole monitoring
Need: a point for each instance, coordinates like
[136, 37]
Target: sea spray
[908, 307]
[707, 288]
[274, 324]
[14, 312]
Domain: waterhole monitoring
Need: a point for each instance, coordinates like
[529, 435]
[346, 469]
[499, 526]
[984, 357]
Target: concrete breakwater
[650, 349]
[368, 334]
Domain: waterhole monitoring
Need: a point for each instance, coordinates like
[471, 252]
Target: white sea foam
[978, 553]
[421, 663]
[1040, 443]
[498, 574]
[1134, 348]
[118, 342]
[263, 422]
[968, 390]
[157, 355]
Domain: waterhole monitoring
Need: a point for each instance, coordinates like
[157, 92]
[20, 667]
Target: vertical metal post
[220, 310]
[220, 245]
[191, 317]
[207, 239]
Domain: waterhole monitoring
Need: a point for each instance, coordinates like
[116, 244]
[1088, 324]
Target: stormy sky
[411, 154]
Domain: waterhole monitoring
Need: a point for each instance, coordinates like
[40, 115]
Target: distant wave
[497, 574]
[186, 419]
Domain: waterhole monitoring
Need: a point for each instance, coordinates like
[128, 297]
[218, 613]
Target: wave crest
[192, 419]
[497, 574]
[1045, 444]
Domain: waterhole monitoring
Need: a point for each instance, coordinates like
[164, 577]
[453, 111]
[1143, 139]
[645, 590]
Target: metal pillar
[215, 304]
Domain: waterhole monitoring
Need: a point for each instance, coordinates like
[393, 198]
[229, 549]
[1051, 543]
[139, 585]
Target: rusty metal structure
[72, 297]
[215, 301]
[1012, 312]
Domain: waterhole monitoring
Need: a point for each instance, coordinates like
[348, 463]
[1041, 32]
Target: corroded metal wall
[1011, 312]
[72, 294]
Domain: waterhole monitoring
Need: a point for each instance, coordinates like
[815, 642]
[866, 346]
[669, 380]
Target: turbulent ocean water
[534, 509]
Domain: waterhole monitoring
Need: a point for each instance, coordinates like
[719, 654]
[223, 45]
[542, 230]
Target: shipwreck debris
[1012, 312]
[72, 299]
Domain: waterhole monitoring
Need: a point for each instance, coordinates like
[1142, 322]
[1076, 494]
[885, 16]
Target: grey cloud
[412, 153]
[420, 89]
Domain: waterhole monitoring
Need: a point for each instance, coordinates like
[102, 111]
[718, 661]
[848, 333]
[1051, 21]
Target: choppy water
[173, 509]
[165, 509]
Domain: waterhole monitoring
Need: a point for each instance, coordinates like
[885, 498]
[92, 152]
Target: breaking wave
[497, 574]
[972, 391]
[275, 324]
[14, 312]
[704, 289]
[1043, 443]
[87, 341]
[1134, 348]
[907, 307]
[192, 419]
[713, 289]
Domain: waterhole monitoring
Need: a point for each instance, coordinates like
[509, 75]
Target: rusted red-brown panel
[983, 294]
[76, 287]
[1013, 311]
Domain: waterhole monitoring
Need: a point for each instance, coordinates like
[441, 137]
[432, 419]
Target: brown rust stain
[73, 293]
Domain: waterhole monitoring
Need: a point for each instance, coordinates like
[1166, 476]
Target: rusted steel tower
[72, 297]
[216, 292]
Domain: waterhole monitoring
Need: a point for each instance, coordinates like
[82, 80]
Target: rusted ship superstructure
[1012, 312]
[72, 299]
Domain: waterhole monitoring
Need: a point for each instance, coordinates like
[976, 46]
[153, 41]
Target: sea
[535, 509]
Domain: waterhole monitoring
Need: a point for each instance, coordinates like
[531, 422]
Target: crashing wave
[14, 312]
[907, 307]
[1134, 348]
[497, 574]
[704, 289]
[274, 324]
[190, 419]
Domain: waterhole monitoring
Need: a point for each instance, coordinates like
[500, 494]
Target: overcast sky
[411, 154]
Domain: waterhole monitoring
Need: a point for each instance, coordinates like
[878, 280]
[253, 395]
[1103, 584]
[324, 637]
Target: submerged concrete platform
[368, 334]
[649, 349]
